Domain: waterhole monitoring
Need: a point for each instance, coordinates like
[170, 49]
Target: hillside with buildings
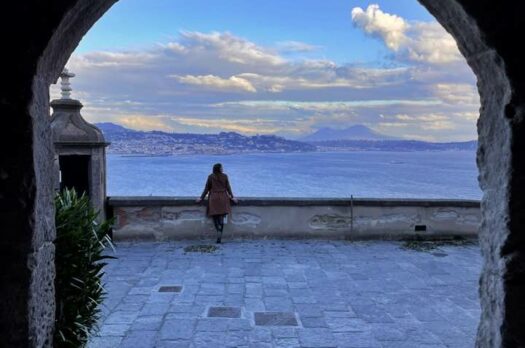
[130, 142]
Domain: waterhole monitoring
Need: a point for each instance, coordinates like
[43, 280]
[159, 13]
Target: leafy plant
[80, 245]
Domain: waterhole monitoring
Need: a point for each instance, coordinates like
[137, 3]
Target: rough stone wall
[487, 33]
[38, 37]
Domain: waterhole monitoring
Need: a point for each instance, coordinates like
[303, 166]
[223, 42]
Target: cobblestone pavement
[339, 294]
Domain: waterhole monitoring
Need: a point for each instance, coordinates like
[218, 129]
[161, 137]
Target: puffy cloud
[174, 87]
[200, 59]
[425, 42]
[231, 48]
[373, 21]
[217, 83]
[429, 42]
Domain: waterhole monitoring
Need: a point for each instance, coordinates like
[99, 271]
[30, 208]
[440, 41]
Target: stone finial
[65, 85]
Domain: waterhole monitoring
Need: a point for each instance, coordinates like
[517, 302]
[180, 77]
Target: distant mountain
[357, 132]
[129, 141]
[109, 128]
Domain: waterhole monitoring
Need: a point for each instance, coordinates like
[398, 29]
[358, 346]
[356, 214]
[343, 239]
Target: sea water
[443, 174]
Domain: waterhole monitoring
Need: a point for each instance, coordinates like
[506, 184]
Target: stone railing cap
[137, 201]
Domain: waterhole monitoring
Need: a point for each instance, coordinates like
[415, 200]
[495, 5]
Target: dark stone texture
[275, 319]
[34, 33]
[224, 312]
[39, 36]
[69, 127]
[73, 135]
[171, 288]
[487, 33]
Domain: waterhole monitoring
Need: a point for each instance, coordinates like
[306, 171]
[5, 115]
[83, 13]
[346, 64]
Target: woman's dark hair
[217, 168]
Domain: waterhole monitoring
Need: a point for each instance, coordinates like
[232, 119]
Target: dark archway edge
[39, 36]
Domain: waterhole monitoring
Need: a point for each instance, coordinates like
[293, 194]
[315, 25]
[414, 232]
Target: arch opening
[484, 42]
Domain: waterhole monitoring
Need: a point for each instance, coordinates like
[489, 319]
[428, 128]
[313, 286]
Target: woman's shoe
[218, 241]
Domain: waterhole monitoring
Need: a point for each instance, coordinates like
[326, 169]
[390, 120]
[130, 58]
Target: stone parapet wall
[170, 218]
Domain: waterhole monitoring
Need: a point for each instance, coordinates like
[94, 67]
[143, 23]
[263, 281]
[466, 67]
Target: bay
[441, 174]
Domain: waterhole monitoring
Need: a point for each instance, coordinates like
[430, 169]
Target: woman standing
[220, 193]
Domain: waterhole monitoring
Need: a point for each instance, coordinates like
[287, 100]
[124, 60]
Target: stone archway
[40, 36]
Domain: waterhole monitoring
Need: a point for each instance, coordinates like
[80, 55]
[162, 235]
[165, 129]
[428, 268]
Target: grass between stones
[200, 249]
[431, 245]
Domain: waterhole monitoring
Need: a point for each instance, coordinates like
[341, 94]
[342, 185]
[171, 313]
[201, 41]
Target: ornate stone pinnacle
[65, 85]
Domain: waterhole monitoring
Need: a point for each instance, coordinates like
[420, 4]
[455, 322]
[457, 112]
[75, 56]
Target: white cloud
[390, 28]
[235, 83]
[427, 125]
[296, 46]
[217, 81]
[425, 42]
[311, 76]
[145, 123]
[438, 125]
[429, 42]
[327, 105]
[468, 116]
[231, 48]
[457, 93]
[247, 126]
[176, 47]
[107, 59]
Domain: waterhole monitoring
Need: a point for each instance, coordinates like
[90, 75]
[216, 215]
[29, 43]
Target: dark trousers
[218, 222]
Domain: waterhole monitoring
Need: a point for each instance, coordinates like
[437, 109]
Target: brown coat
[220, 193]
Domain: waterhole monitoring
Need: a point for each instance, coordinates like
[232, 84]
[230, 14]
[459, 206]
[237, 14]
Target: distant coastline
[128, 142]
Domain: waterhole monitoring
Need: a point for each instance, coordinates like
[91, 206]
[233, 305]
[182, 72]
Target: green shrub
[80, 244]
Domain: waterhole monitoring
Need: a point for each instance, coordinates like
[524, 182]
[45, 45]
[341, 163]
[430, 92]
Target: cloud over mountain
[208, 82]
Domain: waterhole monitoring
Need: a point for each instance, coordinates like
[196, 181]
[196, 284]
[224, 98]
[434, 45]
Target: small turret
[80, 147]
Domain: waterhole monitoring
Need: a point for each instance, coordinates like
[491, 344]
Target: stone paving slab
[343, 294]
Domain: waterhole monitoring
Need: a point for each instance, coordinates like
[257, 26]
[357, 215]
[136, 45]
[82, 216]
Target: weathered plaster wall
[150, 218]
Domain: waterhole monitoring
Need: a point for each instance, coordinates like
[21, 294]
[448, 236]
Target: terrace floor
[336, 293]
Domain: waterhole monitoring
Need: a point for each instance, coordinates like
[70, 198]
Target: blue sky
[275, 67]
[139, 23]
